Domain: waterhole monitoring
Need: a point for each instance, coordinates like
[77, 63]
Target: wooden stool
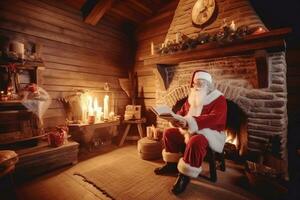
[138, 123]
[211, 158]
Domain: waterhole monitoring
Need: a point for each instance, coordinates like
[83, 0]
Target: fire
[231, 138]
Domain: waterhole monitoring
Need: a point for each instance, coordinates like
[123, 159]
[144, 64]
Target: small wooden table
[138, 123]
[87, 135]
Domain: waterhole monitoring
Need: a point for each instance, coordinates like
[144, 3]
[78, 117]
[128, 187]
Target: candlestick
[152, 48]
[105, 107]
[232, 26]
[91, 120]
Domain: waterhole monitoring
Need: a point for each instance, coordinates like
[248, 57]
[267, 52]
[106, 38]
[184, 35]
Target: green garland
[225, 36]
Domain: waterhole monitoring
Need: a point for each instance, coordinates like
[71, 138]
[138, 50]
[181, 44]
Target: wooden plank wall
[153, 30]
[76, 55]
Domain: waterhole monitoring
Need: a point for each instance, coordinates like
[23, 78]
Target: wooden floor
[62, 184]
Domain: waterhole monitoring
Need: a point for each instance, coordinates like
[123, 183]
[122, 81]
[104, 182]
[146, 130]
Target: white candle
[96, 108]
[152, 48]
[83, 110]
[90, 106]
[232, 26]
[177, 37]
[166, 42]
[98, 113]
[18, 47]
[105, 107]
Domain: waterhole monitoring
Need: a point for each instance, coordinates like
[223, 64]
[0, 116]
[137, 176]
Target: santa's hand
[187, 137]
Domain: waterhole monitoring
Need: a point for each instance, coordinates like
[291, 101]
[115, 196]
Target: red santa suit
[207, 129]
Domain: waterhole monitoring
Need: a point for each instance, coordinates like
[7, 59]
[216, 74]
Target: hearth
[262, 111]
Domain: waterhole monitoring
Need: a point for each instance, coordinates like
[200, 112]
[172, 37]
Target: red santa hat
[201, 74]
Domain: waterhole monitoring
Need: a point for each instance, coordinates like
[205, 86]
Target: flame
[90, 107]
[231, 138]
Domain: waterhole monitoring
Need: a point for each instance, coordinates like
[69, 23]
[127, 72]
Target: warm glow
[90, 107]
[230, 138]
[106, 106]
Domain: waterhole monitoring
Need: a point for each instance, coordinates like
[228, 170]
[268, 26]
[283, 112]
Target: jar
[56, 138]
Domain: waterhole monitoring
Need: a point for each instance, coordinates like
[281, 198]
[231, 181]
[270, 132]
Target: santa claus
[186, 141]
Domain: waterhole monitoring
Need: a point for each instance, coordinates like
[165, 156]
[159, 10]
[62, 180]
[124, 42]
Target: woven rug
[129, 178]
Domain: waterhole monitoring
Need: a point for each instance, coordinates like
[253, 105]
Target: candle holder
[91, 119]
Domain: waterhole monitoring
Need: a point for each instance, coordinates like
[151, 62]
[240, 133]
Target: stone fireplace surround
[236, 77]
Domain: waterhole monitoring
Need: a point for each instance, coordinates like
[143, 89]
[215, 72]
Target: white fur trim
[216, 139]
[203, 75]
[187, 169]
[192, 124]
[212, 96]
[171, 157]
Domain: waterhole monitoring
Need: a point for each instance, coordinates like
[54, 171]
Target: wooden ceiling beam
[147, 11]
[77, 4]
[98, 11]
[127, 15]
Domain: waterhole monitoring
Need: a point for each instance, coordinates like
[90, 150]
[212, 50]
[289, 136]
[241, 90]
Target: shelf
[251, 43]
[259, 45]
[97, 125]
[23, 139]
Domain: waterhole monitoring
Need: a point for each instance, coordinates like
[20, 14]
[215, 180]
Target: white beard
[196, 101]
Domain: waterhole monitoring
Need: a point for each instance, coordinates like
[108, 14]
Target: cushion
[149, 149]
[7, 159]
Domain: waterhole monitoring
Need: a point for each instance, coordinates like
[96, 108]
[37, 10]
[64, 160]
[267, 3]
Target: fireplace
[262, 111]
[265, 108]
[251, 73]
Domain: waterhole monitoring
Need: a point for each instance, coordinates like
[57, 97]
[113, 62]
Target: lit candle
[152, 48]
[84, 111]
[99, 113]
[166, 42]
[96, 109]
[105, 107]
[90, 106]
[232, 26]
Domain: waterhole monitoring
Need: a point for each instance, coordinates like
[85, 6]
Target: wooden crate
[43, 158]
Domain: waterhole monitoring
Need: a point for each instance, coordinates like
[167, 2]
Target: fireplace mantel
[258, 45]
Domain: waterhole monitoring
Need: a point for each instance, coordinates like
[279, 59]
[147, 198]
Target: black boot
[181, 182]
[168, 168]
